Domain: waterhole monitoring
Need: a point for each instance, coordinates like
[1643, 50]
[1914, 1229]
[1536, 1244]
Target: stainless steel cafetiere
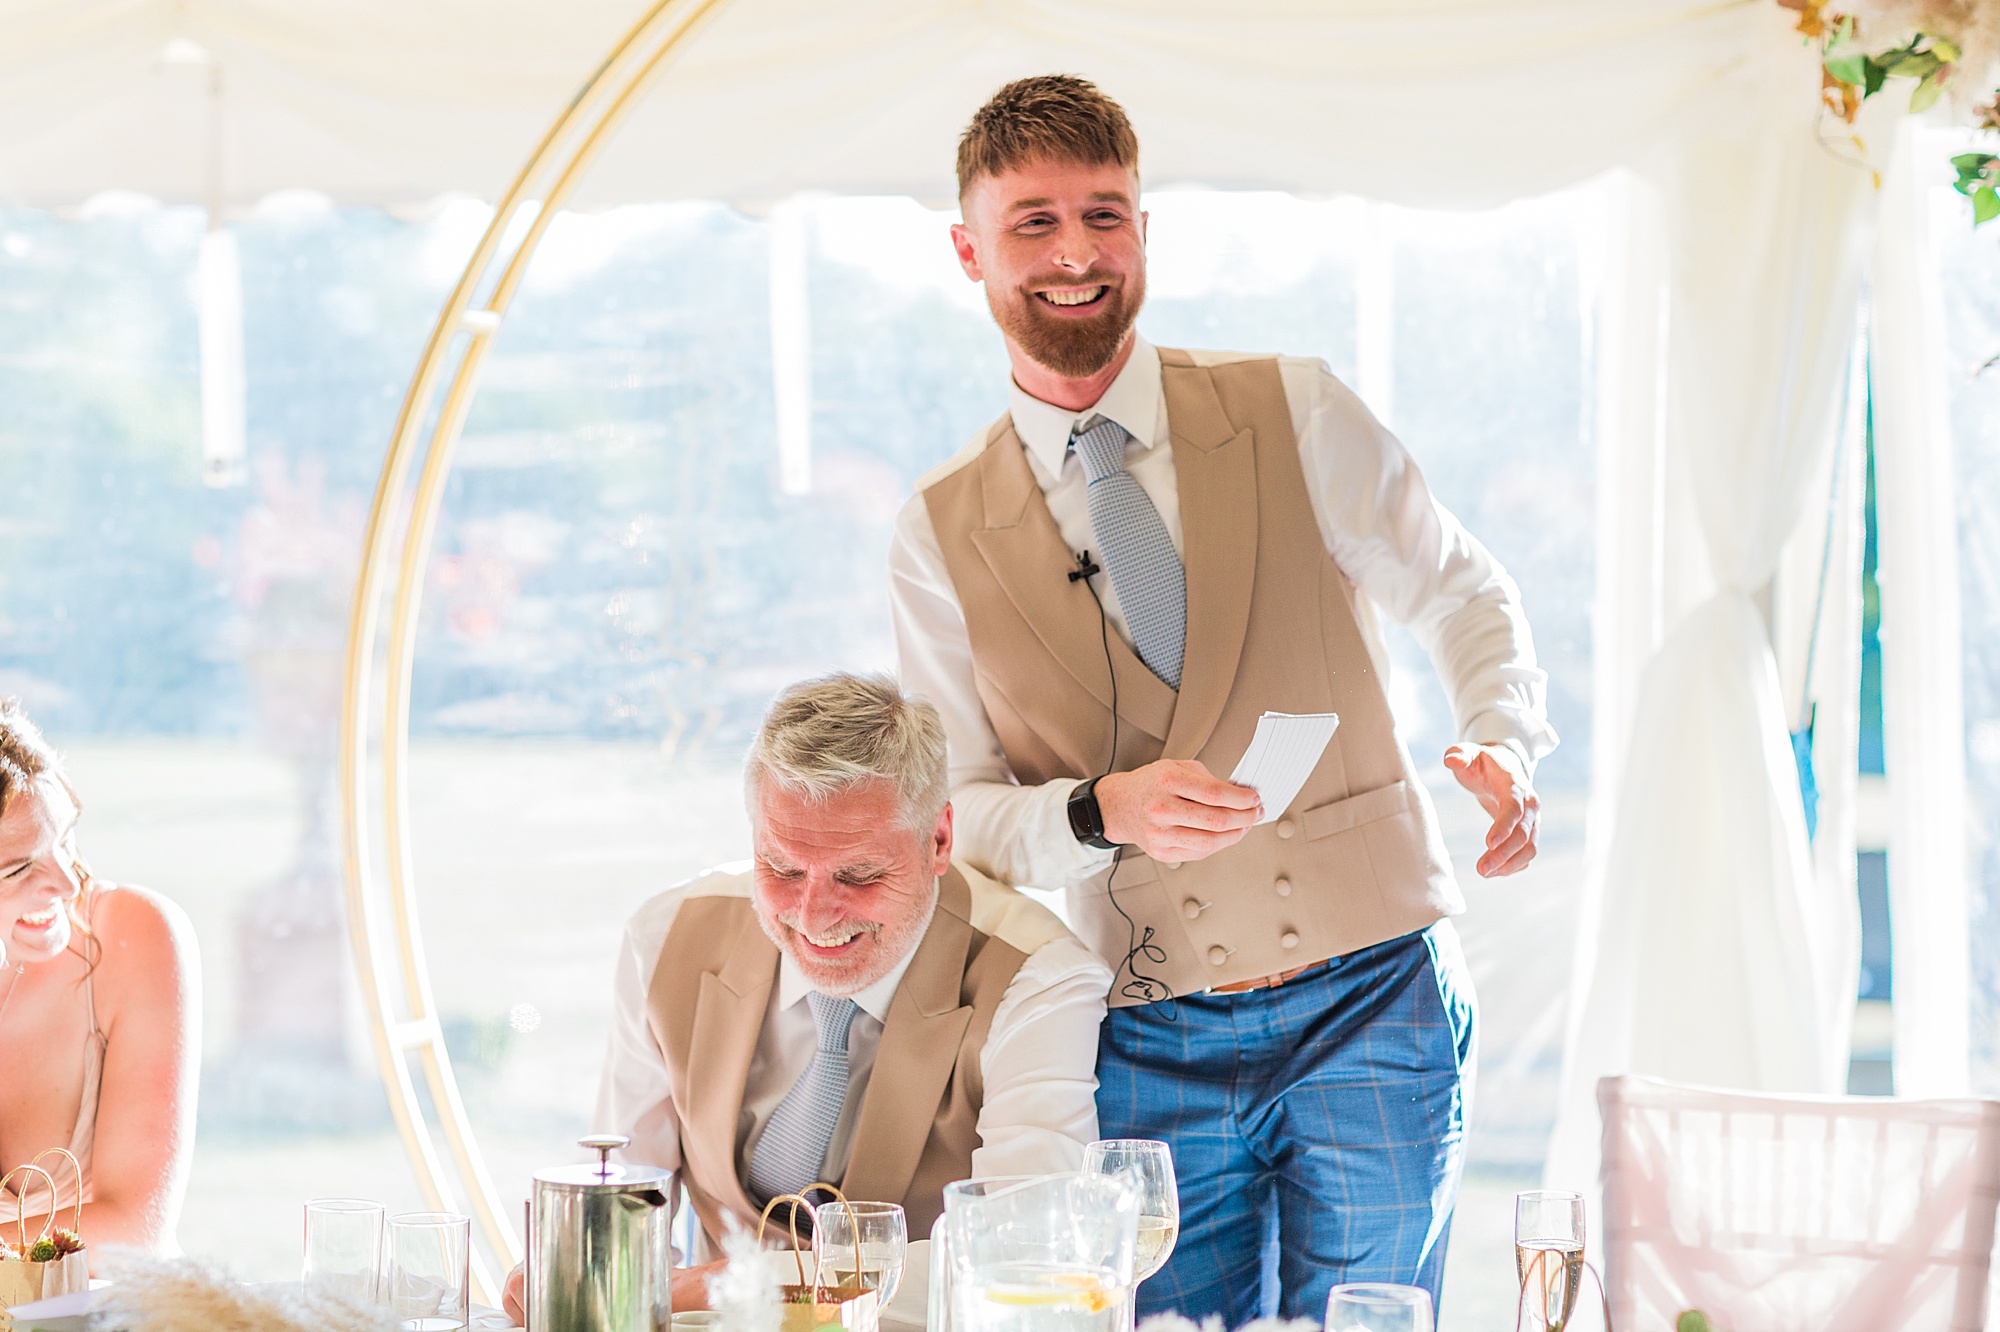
[598, 1258]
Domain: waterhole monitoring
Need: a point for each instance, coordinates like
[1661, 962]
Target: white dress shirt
[1403, 550]
[1038, 1065]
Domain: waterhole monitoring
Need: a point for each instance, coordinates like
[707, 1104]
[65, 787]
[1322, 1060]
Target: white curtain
[1709, 950]
[1923, 719]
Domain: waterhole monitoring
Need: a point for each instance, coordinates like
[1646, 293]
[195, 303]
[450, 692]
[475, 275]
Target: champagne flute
[877, 1231]
[1150, 1167]
[1548, 1254]
[1372, 1306]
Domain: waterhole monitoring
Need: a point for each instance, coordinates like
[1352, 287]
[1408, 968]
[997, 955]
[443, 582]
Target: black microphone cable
[1142, 987]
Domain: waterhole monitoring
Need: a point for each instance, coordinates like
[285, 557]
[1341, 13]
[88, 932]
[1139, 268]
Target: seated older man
[854, 1007]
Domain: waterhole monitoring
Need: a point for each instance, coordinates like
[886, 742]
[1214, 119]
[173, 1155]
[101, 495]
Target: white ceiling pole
[790, 234]
[1375, 313]
[1923, 714]
[219, 292]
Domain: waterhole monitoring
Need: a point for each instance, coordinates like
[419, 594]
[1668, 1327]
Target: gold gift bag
[808, 1306]
[22, 1279]
[71, 1270]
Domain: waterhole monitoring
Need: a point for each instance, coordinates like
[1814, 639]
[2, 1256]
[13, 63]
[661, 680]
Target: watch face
[1086, 820]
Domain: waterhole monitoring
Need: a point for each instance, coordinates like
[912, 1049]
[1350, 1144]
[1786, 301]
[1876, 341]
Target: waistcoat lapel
[727, 1018]
[1023, 547]
[919, 1049]
[1215, 467]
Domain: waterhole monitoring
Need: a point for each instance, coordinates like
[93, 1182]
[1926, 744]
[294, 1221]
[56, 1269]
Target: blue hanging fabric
[1802, 754]
[1802, 738]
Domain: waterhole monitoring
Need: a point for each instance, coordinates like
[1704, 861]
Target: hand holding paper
[1282, 754]
[1175, 809]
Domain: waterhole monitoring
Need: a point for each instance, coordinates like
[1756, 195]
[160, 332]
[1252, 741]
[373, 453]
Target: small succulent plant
[1693, 1320]
[43, 1251]
[66, 1241]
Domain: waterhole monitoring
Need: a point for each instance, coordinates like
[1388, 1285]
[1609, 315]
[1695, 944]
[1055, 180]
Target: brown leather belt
[1265, 982]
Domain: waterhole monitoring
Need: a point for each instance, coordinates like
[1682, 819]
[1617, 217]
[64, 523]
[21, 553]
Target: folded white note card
[1282, 755]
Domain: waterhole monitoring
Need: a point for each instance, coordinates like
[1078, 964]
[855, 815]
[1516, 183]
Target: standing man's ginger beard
[1073, 348]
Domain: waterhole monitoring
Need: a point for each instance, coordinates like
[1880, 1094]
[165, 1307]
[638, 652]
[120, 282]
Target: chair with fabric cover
[1790, 1213]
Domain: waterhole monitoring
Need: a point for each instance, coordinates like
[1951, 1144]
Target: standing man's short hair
[1050, 117]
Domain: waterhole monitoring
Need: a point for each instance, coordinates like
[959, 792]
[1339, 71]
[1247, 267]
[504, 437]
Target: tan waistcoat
[1271, 626]
[919, 1116]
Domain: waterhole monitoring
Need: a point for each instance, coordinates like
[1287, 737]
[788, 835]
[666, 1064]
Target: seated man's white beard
[893, 943]
[839, 934]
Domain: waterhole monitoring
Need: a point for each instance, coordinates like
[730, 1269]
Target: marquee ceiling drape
[384, 101]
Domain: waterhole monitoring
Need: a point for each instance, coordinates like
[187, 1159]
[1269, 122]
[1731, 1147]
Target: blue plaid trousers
[1317, 1128]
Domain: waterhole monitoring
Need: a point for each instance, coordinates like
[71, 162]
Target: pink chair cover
[1789, 1213]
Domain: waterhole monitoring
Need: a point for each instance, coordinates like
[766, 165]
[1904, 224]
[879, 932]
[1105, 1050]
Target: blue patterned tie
[1135, 549]
[792, 1152]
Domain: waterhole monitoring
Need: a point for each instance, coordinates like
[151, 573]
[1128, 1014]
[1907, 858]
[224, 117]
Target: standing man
[1101, 594]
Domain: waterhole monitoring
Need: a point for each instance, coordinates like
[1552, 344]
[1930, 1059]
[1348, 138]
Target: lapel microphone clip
[1085, 567]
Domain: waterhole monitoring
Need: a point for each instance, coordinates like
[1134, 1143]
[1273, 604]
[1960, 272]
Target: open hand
[1495, 774]
[1176, 809]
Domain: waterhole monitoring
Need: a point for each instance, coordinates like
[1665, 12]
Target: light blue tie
[1135, 550]
[792, 1152]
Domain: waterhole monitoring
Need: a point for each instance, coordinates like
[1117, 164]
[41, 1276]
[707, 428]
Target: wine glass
[1376, 1307]
[874, 1234]
[1150, 1167]
[1548, 1254]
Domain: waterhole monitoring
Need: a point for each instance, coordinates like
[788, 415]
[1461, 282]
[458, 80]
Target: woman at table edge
[100, 1018]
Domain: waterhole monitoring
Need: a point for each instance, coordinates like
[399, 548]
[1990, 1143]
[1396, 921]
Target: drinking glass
[884, 1242]
[344, 1248]
[939, 1318]
[1150, 1167]
[1041, 1253]
[1376, 1307]
[428, 1255]
[1548, 1255]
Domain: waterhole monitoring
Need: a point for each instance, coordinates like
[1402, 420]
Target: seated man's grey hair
[822, 737]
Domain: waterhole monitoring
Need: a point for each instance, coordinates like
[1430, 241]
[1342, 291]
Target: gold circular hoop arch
[381, 892]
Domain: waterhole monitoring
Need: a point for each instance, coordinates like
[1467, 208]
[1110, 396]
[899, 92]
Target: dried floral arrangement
[181, 1295]
[1935, 47]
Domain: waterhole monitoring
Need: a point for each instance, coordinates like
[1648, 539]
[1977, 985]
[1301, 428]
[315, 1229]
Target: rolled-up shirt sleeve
[1409, 555]
[1038, 1069]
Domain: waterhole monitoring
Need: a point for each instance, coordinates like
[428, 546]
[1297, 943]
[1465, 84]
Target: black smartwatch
[1086, 817]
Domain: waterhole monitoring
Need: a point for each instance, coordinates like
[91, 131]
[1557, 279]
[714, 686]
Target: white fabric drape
[1923, 721]
[1710, 952]
[1453, 102]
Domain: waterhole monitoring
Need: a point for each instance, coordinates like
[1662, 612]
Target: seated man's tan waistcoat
[919, 1116]
[1271, 626]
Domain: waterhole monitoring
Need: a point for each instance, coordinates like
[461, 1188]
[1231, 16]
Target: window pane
[1971, 291]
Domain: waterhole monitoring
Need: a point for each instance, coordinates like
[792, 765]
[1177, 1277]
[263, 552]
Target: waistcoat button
[1284, 886]
[1289, 939]
[1171, 864]
[1286, 827]
[1191, 909]
[1217, 955]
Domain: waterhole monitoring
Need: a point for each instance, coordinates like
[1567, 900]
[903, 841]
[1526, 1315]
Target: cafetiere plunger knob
[604, 1144]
